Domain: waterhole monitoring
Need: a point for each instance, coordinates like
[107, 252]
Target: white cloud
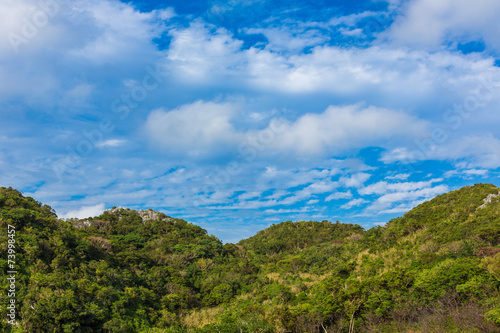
[205, 127]
[318, 187]
[339, 195]
[466, 173]
[94, 42]
[415, 197]
[85, 211]
[285, 211]
[353, 203]
[479, 151]
[111, 143]
[356, 180]
[296, 177]
[403, 208]
[402, 176]
[400, 154]
[430, 23]
[351, 32]
[120, 26]
[227, 5]
[383, 74]
[401, 196]
[289, 39]
[352, 19]
[194, 129]
[476, 172]
[249, 195]
[412, 194]
[341, 128]
[383, 187]
[277, 195]
[197, 52]
[283, 187]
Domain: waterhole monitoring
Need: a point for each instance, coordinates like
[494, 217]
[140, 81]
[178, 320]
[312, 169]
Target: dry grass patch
[200, 318]
[275, 277]
[314, 278]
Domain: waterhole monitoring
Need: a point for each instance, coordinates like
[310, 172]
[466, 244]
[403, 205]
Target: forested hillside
[435, 269]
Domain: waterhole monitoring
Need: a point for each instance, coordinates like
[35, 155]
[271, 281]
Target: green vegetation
[435, 269]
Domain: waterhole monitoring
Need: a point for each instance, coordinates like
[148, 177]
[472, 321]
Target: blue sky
[238, 114]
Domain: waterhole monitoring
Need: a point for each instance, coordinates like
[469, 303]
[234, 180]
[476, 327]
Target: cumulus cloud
[120, 26]
[197, 51]
[195, 129]
[208, 126]
[341, 128]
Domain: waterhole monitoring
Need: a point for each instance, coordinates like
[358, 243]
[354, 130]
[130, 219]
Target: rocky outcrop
[82, 224]
[488, 200]
[150, 215]
[146, 215]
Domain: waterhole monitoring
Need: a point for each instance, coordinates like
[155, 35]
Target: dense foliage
[435, 269]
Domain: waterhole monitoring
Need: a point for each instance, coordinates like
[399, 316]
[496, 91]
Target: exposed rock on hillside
[146, 215]
[488, 200]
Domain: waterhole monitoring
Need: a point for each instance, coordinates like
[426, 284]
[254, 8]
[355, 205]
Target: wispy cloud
[353, 203]
[339, 195]
[111, 143]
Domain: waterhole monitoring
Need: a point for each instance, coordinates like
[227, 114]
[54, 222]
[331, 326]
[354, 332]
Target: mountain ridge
[434, 269]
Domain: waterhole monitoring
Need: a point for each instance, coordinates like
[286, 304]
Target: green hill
[435, 269]
[293, 237]
[454, 216]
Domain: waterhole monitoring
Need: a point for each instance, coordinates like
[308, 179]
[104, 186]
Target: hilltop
[434, 269]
